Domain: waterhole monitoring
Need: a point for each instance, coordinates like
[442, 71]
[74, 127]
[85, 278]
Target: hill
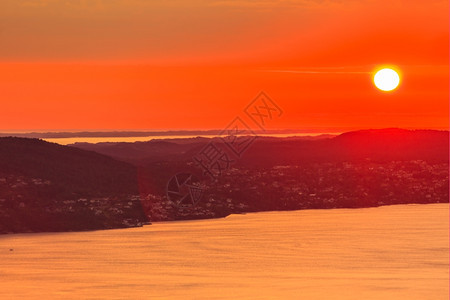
[379, 145]
[355, 169]
[49, 187]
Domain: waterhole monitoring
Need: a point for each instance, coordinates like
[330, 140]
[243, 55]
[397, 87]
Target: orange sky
[99, 65]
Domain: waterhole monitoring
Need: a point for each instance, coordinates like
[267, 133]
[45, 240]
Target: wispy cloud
[333, 70]
[305, 3]
[275, 3]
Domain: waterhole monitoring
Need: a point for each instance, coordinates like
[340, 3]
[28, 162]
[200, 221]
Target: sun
[386, 79]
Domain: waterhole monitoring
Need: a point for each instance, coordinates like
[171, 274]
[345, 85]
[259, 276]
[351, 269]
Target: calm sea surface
[131, 139]
[392, 252]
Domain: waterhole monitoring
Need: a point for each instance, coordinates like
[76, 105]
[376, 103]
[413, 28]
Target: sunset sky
[135, 64]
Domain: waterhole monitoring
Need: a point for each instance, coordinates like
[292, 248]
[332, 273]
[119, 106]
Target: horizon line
[183, 132]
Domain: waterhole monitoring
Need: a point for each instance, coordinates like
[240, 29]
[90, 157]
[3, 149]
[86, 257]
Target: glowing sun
[386, 79]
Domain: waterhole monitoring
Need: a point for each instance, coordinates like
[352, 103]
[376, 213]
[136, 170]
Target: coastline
[218, 217]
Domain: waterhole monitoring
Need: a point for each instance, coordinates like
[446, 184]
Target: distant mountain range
[376, 145]
[380, 144]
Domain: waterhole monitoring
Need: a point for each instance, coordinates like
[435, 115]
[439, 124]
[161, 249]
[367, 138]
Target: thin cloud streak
[316, 72]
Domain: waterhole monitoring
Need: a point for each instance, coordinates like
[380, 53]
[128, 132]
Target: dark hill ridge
[49, 187]
[397, 143]
[151, 151]
[178, 149]
[80, 170]
[356, 169]
[380, 144]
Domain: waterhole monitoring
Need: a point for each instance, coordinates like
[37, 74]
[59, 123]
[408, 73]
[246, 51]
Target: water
[132, 139]
[392, 252]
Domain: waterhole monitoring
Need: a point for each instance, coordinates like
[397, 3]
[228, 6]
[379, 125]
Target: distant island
[145, 133]
[50, 187]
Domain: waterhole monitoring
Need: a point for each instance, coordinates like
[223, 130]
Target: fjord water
[391, 252]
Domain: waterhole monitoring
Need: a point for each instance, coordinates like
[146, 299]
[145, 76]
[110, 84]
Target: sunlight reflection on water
[392, 252]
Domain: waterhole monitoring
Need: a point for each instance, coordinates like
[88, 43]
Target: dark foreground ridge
[49, 187]
[355, 169]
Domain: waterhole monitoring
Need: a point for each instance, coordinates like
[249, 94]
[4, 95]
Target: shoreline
[219, 217]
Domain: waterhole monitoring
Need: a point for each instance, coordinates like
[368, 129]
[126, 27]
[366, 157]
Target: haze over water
[391, 252]
[132, 139]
